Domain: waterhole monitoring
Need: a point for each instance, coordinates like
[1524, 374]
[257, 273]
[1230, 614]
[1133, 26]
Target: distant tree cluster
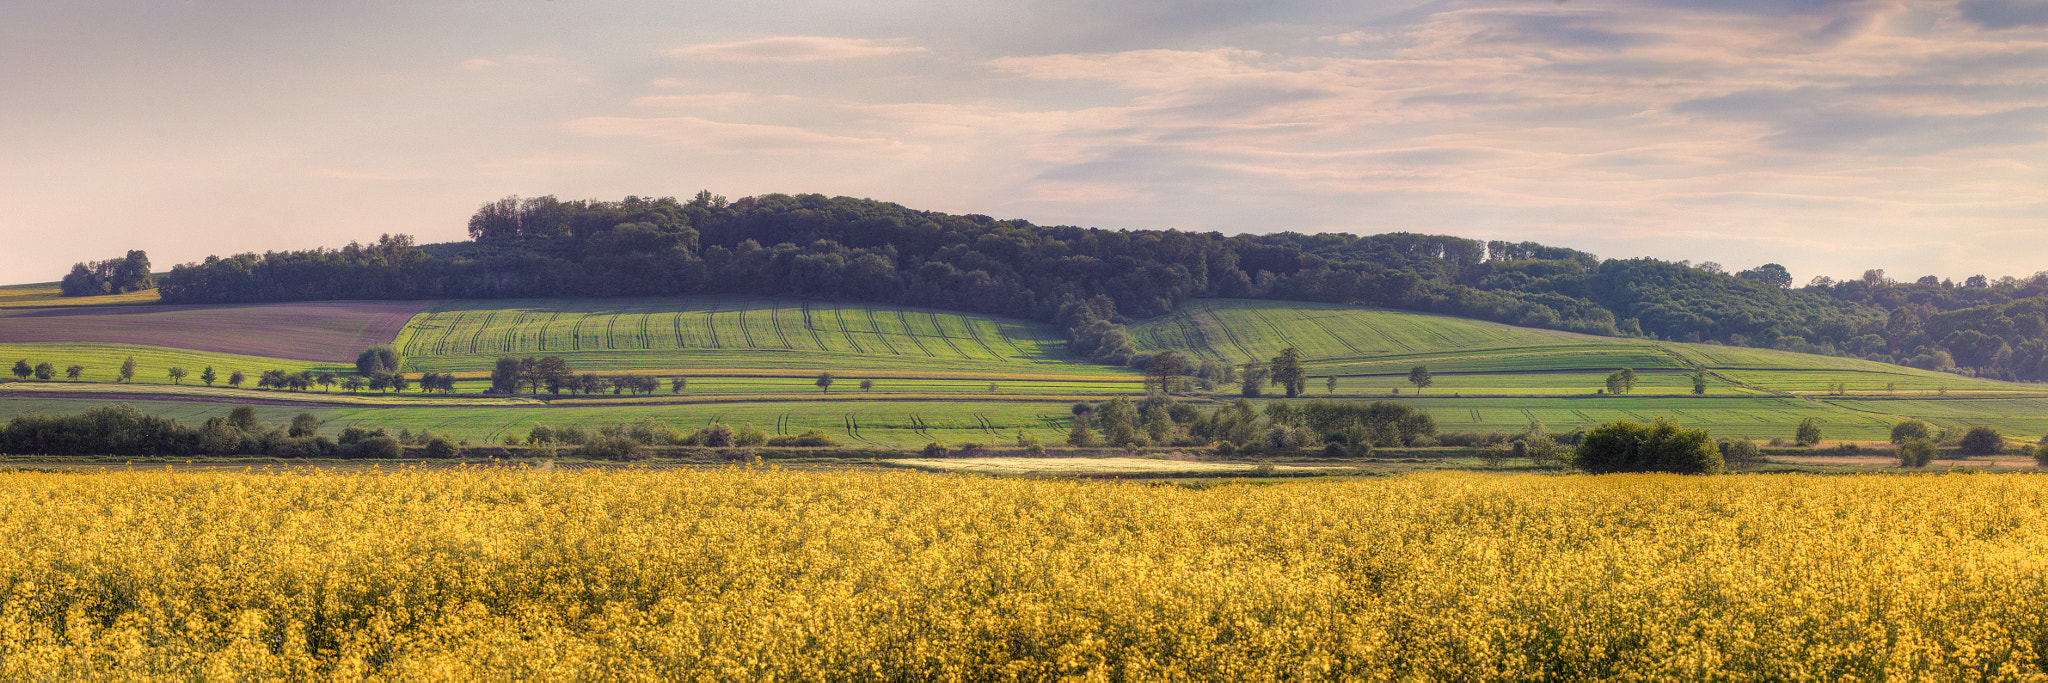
[113, 276]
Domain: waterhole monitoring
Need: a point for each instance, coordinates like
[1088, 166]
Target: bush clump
[1624, 446]
[1982, 440]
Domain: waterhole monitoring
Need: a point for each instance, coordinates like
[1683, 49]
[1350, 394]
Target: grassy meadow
[770, 574]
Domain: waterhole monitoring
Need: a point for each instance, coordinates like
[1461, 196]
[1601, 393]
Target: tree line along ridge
[1091, 281]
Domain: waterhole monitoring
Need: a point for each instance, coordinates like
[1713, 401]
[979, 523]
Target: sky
[1828, 136]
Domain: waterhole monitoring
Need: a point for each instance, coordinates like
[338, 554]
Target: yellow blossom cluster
[759, 574]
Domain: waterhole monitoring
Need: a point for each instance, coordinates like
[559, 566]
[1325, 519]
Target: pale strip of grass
[229, 394]
[152, 364]
[47, 294]
[1096, 466]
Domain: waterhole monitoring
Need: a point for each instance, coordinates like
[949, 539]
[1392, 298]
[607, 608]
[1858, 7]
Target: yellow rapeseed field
[761, 574]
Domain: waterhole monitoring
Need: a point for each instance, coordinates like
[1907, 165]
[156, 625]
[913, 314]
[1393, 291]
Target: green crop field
[152, 363]
[723, 332]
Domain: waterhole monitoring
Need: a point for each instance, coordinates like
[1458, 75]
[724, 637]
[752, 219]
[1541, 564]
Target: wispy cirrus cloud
[703, 135]
[794, 49]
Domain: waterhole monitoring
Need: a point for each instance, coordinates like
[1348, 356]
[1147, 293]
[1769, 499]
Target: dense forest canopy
[1090, 281]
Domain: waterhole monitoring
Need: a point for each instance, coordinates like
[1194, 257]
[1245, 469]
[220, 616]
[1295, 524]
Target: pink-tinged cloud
[793, 49]
[702, 135]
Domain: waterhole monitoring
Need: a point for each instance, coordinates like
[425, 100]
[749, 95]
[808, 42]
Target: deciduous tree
[177, 375]
[1808, 432]
[208, 375]
[1419, 376]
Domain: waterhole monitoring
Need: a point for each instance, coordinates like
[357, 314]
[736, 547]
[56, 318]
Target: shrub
[613, 447]
[1225, 448]
[1982, 440]
[1624, 446]
[1808, 432]
[381, 447]
[935, 449]
[1916, 453]
[810, 438]
[2041, 455]
[1741, 453]
[715, 435]
[1910, 430]
[441, 447]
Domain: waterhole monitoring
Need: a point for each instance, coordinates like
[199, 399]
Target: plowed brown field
[326, 331]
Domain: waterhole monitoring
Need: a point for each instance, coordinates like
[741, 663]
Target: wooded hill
[1089, 281]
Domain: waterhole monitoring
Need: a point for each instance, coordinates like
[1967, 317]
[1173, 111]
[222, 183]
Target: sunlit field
[761, 573]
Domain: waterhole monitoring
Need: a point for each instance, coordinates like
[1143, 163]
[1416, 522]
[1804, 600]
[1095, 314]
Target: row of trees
[122, 430]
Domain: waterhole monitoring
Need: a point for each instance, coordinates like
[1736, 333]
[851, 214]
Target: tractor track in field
[876, 327]
[576, 332]
[676, 320]
[974, 332]
[939, 329]
[476, 339]
[812, 327]
[542, 337]
[711, 325]
[1232, 336]
[910, 332]
[1320, 325]
[775, 323]
[745, 334]
[839, 315]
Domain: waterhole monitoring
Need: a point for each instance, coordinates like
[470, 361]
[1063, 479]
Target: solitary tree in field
[1255, 374]
[867, 385]
[1330, 384]
[22, 369]
[74, 372]
[177, 375]
[1699, 381]
[992, 387]
[824, 382]
[128, 369]
[1419, 376]
[1808, 433]
[1910, 430]
[45, 370]
[1287, 372]
[378, 359]
[235, 379]
[1621, 381]
[208, 375]
[676, 385]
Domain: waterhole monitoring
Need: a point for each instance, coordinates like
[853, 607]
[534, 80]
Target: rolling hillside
[959, 377]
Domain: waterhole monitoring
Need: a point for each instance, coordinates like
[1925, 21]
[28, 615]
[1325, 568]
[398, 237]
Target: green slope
[735, 332]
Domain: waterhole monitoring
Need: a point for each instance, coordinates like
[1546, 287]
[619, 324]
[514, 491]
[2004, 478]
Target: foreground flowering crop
[772, 574]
